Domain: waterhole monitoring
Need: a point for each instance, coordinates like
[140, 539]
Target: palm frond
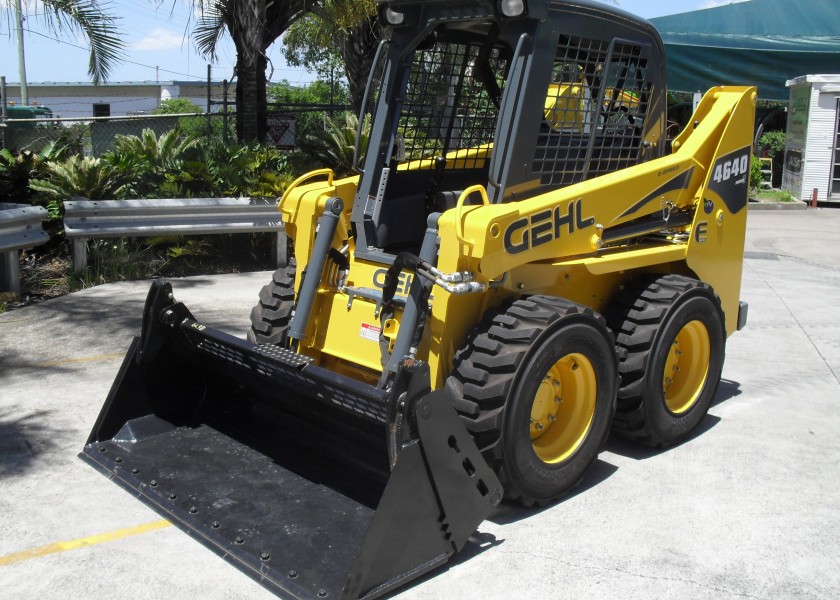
[100, 28]
[210, 27]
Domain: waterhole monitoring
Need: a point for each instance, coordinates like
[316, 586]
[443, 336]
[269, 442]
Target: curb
[794, 205]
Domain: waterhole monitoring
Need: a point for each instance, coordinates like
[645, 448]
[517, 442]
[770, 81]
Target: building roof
[760, 42]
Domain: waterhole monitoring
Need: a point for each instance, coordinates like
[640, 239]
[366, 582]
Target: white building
[83, 100]
[812, 142]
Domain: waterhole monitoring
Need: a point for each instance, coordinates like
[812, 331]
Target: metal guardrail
[20, 227]
[88, 219]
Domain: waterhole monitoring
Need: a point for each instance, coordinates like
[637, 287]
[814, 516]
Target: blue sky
[156, 37]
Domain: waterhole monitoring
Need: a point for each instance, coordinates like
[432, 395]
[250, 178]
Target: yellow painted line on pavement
[17, 557]
[81, 359]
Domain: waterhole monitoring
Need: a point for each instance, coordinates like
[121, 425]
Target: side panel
[573, 226]
[716, 245]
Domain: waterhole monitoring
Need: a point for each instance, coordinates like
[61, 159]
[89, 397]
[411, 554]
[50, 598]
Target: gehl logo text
[544, 226]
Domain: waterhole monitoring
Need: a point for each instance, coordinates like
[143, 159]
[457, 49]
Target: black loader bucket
[312, 483]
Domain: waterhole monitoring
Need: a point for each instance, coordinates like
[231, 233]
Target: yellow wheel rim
[686, 367]
[563, 408]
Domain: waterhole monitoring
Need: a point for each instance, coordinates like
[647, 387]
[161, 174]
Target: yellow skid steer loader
[523, 263]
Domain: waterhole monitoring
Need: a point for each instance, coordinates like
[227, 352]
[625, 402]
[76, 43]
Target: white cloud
[159, 39]
[714, 3]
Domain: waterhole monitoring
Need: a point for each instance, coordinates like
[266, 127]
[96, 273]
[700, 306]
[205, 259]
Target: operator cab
[518, 105]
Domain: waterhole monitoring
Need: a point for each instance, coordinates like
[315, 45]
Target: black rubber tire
[272, 316]
[497, 375]
[647, 317]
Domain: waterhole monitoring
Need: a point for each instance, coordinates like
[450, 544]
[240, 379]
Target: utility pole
[24, 91]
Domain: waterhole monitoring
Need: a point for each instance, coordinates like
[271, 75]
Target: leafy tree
[195, 126]
[308, 125]
[84, 17]
[176, 106]
[336, 32]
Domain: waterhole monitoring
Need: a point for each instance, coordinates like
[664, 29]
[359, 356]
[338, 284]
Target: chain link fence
[94, 136]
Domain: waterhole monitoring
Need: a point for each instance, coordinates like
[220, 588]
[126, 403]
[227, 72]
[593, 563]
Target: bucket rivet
[118, 459]
[216, 524]
[135, 471]
[153, 483]
[265, 556]
[239, 539]
[193, 510]
[102, 448]
[322, 593]
[172, 496]
[292, 574]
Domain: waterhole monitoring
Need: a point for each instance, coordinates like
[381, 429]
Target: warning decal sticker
[370, 332]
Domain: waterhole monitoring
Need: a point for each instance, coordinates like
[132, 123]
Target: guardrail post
[10, 272]
[79, 254]
[20, 228]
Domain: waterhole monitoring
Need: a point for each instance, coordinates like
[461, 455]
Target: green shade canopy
[760, 42]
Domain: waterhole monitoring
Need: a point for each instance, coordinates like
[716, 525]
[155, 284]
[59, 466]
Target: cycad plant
[146, 160]
[17, 170]
[83, 176]
[335, 145]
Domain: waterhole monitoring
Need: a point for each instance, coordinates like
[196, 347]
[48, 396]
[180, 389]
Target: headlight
[512, 8]
[393, 17]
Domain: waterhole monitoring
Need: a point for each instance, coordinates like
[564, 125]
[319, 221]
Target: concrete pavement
[747, 508]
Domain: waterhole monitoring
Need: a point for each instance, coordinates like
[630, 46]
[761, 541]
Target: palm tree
[76, 16]
[253, 25]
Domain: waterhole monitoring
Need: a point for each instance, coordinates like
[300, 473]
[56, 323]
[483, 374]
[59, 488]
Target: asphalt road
[746, 508]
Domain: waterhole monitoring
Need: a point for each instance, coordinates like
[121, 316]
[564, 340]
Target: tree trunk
[251, 104]
[358, 50]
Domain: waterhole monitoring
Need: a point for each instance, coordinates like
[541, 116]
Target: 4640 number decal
[728, 168]
[729, 179]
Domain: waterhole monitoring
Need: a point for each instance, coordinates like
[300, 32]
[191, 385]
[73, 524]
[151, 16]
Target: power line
[131, 62]
[139, 64]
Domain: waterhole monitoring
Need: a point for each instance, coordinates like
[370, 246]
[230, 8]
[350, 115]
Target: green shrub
[772, 143]
[755, 172]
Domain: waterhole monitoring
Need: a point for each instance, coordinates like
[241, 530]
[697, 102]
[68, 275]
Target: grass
[47, 272]
[6, 298]
[773, 195]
